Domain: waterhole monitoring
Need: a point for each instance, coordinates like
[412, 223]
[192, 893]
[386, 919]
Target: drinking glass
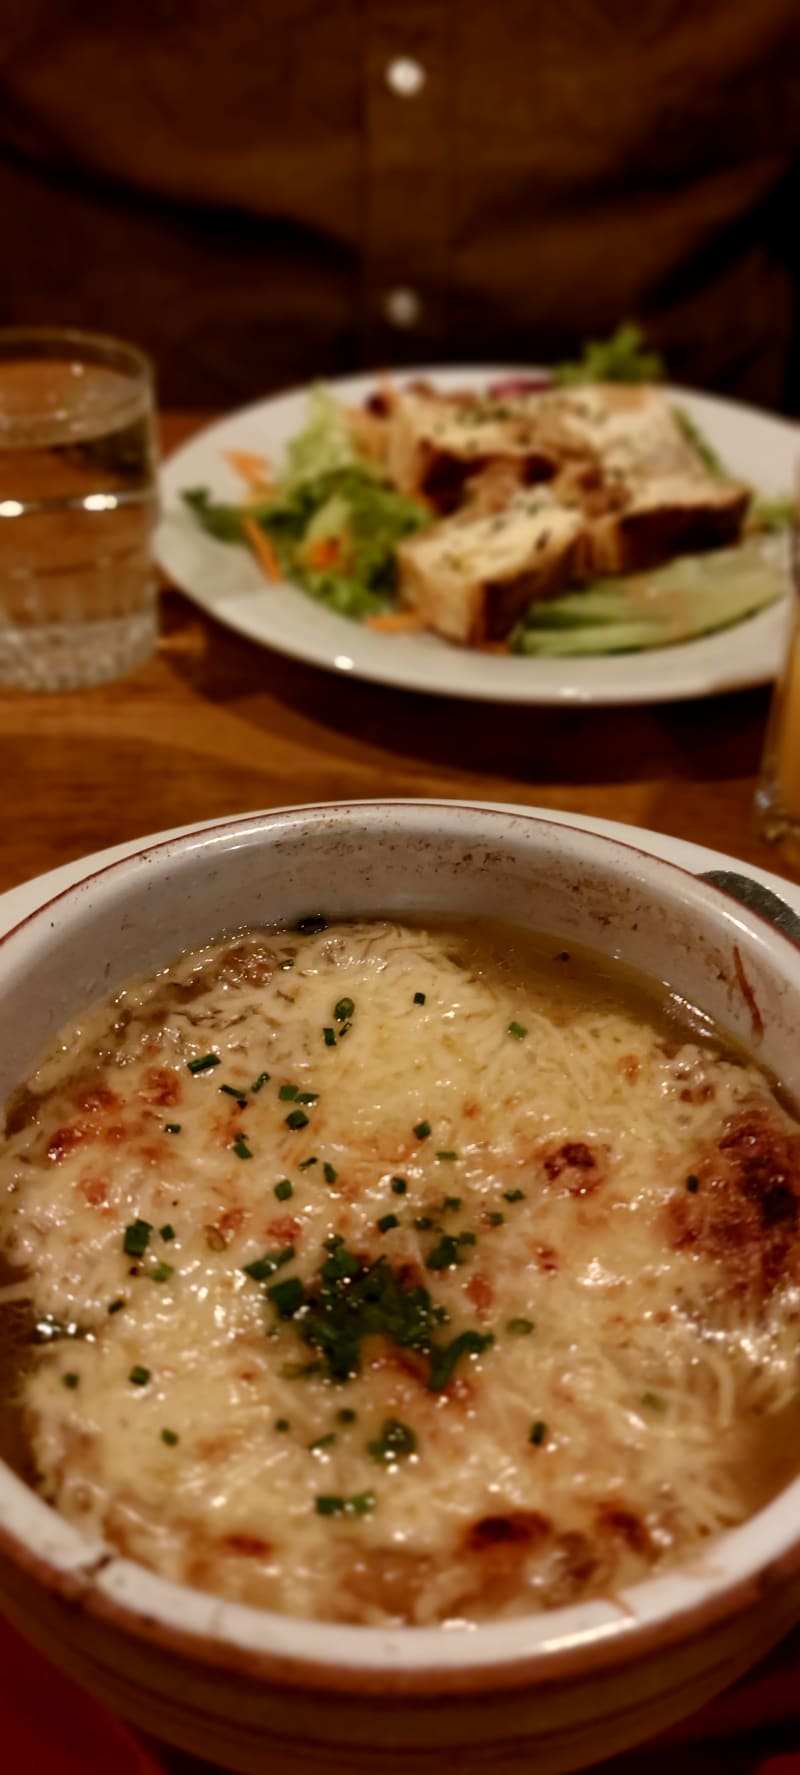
[778, 791]
[78, 507]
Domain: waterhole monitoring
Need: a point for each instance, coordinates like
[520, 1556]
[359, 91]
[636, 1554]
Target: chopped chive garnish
[422, 1130]
[234, 1091]
[137, 1238]
[448, 1251]
[287, 964]
[287, 1297]
[139, 1377]
[343, 1010]
[443, 1361]
[282, 1424]
[446, 1154]
[346, 1415]
[359, 1505]
[323, 1441]
[263, 1267]
[329, 1506]
[329, 1172]
[450, 1204]
[241, 1148]
[161, 1272]
[170, 1437]
[71, 1380]
[204, 1063]
[167, 1232]
[419, 998]
[518, 1030]
[423, 1223]
[654, 1401]
[346, 1027]
[259, 1083]
[116, 1306]
[398, 1186]
[386, 1222]
[307, 1096]
[287, 1093]
[395, 1442]
[329, 1037]
[693, 1184]
[520, 1327]
[538, 1432]
[311, 924]
[284, 1189]
[495, 1218]
[513, 1195]
[306, 1163]
[297, 1119]
[172, 1127]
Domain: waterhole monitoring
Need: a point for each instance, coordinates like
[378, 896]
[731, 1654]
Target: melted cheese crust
[642, 1371]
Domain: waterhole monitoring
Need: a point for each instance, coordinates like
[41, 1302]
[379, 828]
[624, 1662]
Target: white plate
[226, 581]
[19, 902]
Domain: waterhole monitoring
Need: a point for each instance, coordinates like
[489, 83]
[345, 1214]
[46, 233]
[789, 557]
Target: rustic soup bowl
[251, 1690]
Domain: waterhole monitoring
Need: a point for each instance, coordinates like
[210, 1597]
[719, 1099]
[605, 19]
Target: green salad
[333, 523]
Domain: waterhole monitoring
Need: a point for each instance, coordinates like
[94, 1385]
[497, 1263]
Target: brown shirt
[269, 191]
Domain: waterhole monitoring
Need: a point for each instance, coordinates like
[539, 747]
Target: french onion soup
[400, 1273]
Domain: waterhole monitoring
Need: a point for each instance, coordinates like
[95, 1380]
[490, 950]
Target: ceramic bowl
[248, 1689]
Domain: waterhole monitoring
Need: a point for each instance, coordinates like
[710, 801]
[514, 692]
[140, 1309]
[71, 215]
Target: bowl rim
[583, 1638]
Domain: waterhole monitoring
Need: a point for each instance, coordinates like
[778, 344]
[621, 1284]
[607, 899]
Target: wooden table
[214, 725]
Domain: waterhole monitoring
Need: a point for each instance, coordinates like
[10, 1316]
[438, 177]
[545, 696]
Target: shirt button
[405, 77]
[402, 307]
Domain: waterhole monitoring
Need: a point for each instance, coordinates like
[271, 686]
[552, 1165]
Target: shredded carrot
[262, 547]
[325, 552]
[396, 622]
[255, 470]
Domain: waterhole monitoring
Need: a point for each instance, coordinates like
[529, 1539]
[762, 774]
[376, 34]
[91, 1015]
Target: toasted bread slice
[470, 579]
[663, 516]
[437, 442]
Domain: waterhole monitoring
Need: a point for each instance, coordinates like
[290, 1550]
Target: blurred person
[268, 192]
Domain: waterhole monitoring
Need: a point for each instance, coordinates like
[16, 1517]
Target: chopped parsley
[137, 1238]
[419, 998]
[329, 1037]
[305, 1164]
[306, 1096]
[263, 1267]
[398, 1186]
[284, 1189]
[241, 1147]
[139, 1377]
[259, 1083]
[311, 924]
[170, 1437]
[538, 1432]
[297, 1119]
[70, 1380]
[329, 1172]
[448, 1252]
[395, 1442]
[359, 1505]
[116, 1306]
[518, 1030]
[287, 1093]
[161, 1272]
[520, 1327]
[234, 1091]
[386, 1222]
[167, 1232]
[343, 1010]
[443, 1361]
[446, 1154]
[172, 1127]
[49, 1329]
[693, 1184]
[422, 1130]
[513, 1195]
[287, 1297]
[204, 1063]
[423, 1223]
[495, 1218]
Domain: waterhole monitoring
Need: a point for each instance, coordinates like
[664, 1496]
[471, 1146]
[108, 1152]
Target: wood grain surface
[214, 725]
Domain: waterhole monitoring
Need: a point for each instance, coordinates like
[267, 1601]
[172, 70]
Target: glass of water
[78, 506]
